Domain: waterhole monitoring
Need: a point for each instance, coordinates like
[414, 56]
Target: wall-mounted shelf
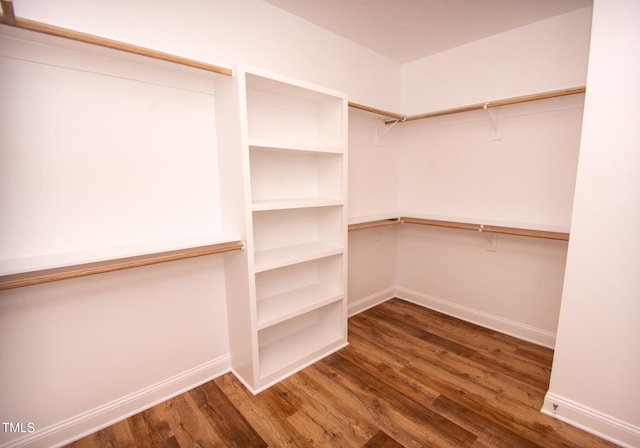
[82, 270]
[266, 260]
[43, 28]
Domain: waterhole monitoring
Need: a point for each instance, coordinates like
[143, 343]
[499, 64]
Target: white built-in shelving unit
[293, 143]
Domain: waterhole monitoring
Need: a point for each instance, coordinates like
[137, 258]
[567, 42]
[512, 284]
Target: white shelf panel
[299, 253]
[280, 111]
[276, 309]
[280, 145]
[280, 85]
[282, 204]
[284, 354]
[289, 351]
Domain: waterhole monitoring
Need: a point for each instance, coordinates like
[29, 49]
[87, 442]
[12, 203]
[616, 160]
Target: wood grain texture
[411, 377]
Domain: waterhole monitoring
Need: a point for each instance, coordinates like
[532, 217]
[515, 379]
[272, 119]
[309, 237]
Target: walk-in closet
[303, 222]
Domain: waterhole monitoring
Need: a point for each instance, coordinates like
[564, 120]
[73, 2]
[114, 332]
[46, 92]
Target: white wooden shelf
[288, 343]
[81, 270]
[299, 253]
[277, 174]
[281, 355]
[293, 113]
[283, 204]
[276, 309]
[283, 145]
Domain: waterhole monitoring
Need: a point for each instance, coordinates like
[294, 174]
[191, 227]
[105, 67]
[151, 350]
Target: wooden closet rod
[489, 229]
[10, 19]
[82, 270]
[374, 224]
[488, 105]
[499, 103]
[8, 15]
[378, 111]
[462, 226]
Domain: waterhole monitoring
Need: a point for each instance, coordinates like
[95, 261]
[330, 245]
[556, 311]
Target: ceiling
[406, 30]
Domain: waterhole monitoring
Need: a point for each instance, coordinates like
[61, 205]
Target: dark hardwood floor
[410, 377]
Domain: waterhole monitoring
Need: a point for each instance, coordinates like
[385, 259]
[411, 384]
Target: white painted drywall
[451, 168]
[547, 55]
[226, 32]
[515, 289]
[374, 151]
[594, 380]
[101, 157]
[373, 189]
[83, 352]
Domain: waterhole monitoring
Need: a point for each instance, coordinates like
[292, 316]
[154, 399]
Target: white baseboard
[491, 321]
[74, 428]
[592, 421]
[364, 303]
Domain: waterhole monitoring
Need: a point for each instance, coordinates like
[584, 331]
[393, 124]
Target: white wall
[546, 55]
[452, 169]
[226, 32]
[373, 168]
[84, 352]
[515, 289]
[373, 195]
[93, 174]
[594, 381]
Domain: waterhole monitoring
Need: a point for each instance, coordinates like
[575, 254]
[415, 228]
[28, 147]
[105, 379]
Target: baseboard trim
[364, 303]
[74, 428]
[487, 320]
[592, 421]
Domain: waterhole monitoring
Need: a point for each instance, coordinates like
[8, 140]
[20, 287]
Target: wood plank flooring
[411, 377]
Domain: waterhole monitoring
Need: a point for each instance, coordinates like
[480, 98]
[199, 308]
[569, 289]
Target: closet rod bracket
[495, 116]
[381, 132]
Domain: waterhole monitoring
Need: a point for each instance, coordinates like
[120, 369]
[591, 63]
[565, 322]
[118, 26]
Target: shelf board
[284, 256]
[258, 143]
[281, 204]
[277, 84]
[284, 353]
[82, 270]
[276, 309]
[68, 34]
